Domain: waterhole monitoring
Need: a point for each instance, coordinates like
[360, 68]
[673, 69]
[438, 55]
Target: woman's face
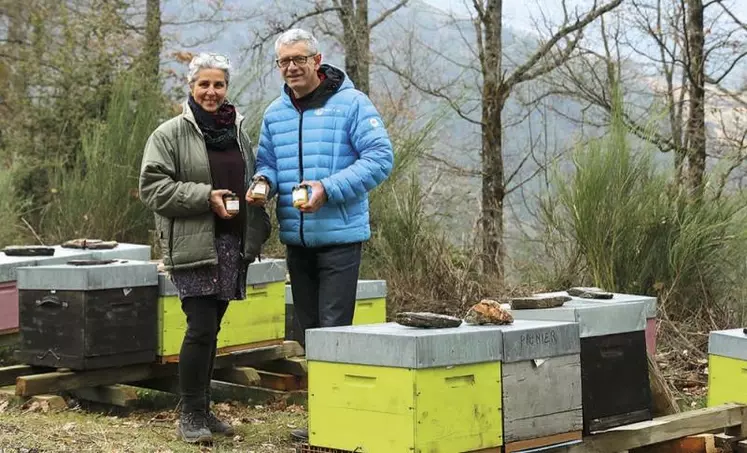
[209, 90]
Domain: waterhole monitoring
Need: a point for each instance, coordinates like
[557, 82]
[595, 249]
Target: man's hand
[318, 196]
[217, 205]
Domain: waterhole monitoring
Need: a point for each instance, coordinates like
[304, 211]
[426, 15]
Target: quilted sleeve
[266, 160]
[376, 157]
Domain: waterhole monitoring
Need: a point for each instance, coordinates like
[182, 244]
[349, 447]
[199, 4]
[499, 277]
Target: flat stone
[28, 250]
[589, 293]
[93, 244]
[488, 311]
[427, 320]
[537, 302]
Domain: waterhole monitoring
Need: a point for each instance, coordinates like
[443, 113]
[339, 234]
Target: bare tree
[496, 86]
[355, 37]
[685, 51]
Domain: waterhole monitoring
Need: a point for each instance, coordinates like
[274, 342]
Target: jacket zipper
[300, 164]
[246, 210]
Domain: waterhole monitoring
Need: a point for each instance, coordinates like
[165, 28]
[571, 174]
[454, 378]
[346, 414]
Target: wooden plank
[662, 429]
[281, 381]
[57, 381]
[237, 375]
[542, 400]
[702, 443]
[115, 395]
[169, 384]
[222, 391]
[9, 374]
[543, 441]
[292, 365]
[229, 350]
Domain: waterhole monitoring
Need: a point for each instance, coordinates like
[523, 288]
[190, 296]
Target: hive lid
[617, 298]
[728, 343]
[269, 270]
[123, 251]
[367, 289]
[527, 340]
[120, 274]
[9, 265]
[594, 318]
[394, 345]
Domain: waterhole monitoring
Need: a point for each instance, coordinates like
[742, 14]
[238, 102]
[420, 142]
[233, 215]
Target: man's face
[301, 76]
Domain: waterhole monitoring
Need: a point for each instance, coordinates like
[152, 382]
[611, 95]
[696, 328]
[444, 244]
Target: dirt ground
[32, 428]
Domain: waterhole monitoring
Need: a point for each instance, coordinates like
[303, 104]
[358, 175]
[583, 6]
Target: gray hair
[295, 35]
[209, 61]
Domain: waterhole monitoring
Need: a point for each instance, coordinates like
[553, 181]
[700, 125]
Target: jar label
[260, 189]
[299, 194]
[232, 205]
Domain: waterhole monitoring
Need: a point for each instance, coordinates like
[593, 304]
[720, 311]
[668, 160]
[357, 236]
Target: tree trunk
[357, 37]
[696, 155]
[493, 100]
[153, 42]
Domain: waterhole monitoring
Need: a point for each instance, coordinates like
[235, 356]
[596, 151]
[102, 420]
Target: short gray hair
[209, 61]
[295, 35]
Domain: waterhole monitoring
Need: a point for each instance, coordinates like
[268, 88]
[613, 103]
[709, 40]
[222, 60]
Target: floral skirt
[226, 281]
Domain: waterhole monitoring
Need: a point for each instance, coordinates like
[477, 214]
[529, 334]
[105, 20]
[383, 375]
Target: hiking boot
[193, 428]
[218, 426]
[301, 434]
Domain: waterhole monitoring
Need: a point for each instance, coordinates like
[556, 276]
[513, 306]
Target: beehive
[85, 317]
[370, 306]
[618, 298]
[8, 278]
[614, 367]
[541, 380]
[390, 388]
[257, 320]
[727, 362]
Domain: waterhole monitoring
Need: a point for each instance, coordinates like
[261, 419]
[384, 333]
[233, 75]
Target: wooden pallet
[275, 369]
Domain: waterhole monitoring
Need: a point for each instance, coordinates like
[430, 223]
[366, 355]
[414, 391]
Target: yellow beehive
[727, 361]
[370, 306]
[388, 388]
[257, 320]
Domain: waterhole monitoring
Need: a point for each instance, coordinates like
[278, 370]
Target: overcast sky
[519, 13]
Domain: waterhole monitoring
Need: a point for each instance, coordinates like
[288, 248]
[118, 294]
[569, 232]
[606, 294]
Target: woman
[190, 163]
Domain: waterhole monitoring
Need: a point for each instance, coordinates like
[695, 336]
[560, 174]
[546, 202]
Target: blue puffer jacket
[343, 144]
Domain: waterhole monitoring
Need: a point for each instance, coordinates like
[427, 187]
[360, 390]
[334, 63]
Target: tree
[355, 37]
[496, 86]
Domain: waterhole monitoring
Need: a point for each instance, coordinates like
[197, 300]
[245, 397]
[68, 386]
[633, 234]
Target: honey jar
[300, 195]
[231, 201]
[259, 188]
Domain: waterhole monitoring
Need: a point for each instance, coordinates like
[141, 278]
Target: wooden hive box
[8, 278]
[257, 320]
[727, 362]
[370, 306]
[86, 317]
[618, 298]
[390, 388]
[541, 379]
[614, 368]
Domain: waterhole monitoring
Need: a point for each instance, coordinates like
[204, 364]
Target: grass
[259, 429]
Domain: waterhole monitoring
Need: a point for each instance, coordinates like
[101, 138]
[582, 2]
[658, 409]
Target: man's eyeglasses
[297, 60]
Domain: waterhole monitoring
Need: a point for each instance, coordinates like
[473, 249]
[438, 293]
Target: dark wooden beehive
[614, 370]
[86, 317]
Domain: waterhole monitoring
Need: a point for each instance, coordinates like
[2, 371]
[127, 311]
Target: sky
[519, 13]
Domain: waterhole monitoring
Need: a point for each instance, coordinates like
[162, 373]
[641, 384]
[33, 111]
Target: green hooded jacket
[175, 183]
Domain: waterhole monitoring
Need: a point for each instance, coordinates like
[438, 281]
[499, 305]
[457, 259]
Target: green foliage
[617, 223]
[98, 195]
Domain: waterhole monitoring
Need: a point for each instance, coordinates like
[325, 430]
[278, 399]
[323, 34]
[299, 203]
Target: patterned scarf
[218, 128]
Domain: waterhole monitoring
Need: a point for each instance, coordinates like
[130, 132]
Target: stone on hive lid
[489, 312]
[426, 320]
[538, 301]
[589, 293]
[617, 298]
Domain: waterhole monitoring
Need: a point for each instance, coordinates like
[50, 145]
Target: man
[324, 134]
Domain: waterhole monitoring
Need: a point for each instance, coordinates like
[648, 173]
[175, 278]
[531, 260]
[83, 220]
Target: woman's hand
[217, 205]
